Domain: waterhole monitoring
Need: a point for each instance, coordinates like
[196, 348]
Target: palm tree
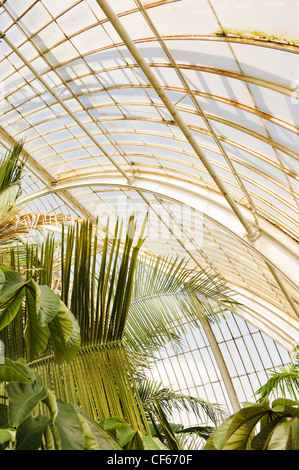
[160, 402]
[126, 305]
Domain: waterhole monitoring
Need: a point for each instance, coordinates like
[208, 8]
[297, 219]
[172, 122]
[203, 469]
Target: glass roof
[187, 109]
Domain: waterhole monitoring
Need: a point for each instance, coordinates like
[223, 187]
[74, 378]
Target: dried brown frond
[16, 225]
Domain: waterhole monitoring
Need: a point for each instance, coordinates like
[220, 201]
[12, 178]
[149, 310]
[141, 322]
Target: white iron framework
[187, 109]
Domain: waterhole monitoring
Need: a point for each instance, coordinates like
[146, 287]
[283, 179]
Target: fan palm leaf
[166, 293]
[151, 390]
[98, 291]
[142, 300]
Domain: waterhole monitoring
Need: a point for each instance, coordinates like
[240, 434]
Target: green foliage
[284, 381]
[259, 426]
[109, 297]
[115, 293]
[98, 289]
[46, 316]
[63, 426]
[128, 437]
[11, 168]
[151, 390]
[159, 404]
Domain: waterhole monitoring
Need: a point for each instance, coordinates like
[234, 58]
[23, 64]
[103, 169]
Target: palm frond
[284, 382]
[166, 294]
[18, 227]
[98, 286]
[114, 292]
[11, 167]
[122, 303]
[150, 391]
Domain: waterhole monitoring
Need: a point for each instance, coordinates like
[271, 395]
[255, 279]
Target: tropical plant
[14, 225]
[60, 426]
[284, 381]
[128, 437]
[125, 306]
[259, 426]
[11, 168]
[44, 315]
[33, 419]
[160, 402]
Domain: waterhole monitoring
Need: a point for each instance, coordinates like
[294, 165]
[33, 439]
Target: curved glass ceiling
[187, 109]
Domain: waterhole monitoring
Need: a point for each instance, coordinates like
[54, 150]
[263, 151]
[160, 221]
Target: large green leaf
[49, 438]
[23, 397]
[13, 283]
[280, 434]
[69, 428]
[113, 423]
[2, 281]
[136, 443]
[42, 308]
[65, 335]
[12, 371]
[50, 401]
[125, 434]
[49, 305]
[3, 416]
[293, 437]
[286, 406]
[217, 440]
[96, 438]
[259, 427]
[153, 443]
[11, 303]
[12, 294]
[239, 433]
[271, 435]
[90, 442]
[29, 433]
[36, 336]
[5, 438]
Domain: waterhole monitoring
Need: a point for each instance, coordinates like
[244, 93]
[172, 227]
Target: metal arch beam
[62, 103]
[251, 229]
[237, 104]
[234, 125]
[268, 318]
[46, 177]
[200, 68]
[247, 40]
[274, 247]
[232, 143]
